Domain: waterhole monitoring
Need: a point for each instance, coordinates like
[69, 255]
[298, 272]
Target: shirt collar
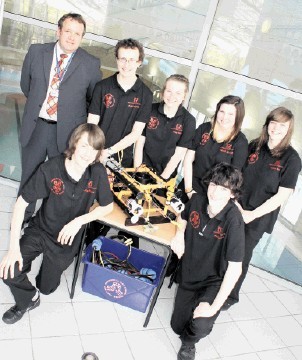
[204, 205]
[179, 112]
[60, 51]
[135, 87]
[222, 213]
[85, 176]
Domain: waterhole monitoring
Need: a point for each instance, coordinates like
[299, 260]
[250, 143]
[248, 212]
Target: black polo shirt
[63, 198]
[164, 134]
[208, 153]
[119, 109]
[263, 174]
[210, 243]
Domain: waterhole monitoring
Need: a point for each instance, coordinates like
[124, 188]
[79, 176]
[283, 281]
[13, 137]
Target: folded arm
[138, 151]
[128, 140]
[177, 157]
[188, 172]
[69, 231]
[268, 206]
[204, 309]
[178, 241]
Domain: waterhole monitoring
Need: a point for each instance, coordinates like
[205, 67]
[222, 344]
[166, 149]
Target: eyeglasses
[130, 61]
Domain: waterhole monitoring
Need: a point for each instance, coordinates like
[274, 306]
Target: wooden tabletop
[163, 233]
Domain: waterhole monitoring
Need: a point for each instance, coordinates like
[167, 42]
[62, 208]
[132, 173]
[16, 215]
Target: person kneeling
[210, 243]
[68, 184]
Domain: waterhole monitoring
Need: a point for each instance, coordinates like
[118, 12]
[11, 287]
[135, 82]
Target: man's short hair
[96, 139]
[77, 17]
[130, 44]
[226, 175]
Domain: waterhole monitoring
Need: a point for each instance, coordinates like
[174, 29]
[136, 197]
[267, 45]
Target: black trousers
[252, 238]
[42, 144]
[182, 322]
[56, 259]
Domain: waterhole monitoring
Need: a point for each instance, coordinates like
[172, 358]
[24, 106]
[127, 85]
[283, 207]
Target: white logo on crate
[115, 288]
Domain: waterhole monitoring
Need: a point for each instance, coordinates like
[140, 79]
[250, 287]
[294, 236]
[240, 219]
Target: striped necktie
[52, 100]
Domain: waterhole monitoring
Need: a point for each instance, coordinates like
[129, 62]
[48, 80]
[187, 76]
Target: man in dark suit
[58, 81]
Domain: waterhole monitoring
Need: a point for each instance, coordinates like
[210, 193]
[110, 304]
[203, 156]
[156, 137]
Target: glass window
[169, 26]
[251, 38]
[154, 72]
[15, 40]
[256, 39]
[210, 88]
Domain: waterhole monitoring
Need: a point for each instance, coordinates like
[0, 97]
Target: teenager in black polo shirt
[270, 176]
[217, 141]
[169, 131]
[68, 186]
[121, 104]
[210, 243]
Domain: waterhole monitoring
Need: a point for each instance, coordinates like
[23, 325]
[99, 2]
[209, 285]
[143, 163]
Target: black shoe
[14, 314]
[186, 352]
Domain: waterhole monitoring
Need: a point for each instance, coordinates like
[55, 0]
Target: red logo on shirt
[276, 166]
[218, 233]
[153, 123]
[109, 100]
[253, 158]
[195, 219]
[135, 103]
[204, 138]
[90, 188]
[57, 186]
[228, 149]
[178, 129]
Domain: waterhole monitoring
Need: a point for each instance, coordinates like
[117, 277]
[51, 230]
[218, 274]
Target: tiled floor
[265, 325]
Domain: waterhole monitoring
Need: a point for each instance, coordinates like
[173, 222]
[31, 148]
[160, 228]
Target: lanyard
[66, 67]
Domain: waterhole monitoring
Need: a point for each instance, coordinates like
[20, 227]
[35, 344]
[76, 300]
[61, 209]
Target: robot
[134, 190]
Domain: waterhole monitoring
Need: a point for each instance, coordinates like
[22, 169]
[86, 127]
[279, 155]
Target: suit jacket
[75, 90]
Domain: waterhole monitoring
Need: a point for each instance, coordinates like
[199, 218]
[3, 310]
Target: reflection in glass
[154, 72]
[280, 253]
[256, 39]
[170, 26]
[210, 88]
[15, 41]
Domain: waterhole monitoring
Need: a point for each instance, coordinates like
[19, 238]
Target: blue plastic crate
[120, 288]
